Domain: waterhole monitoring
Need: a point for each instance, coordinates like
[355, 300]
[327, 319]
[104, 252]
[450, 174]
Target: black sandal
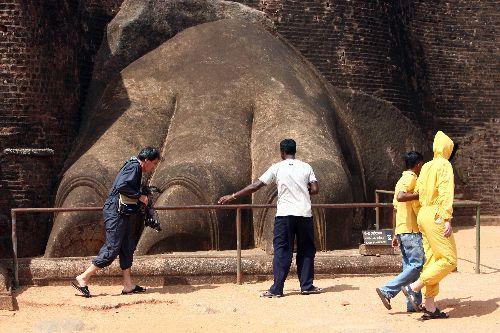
[137, 289]
[437, 314]
[84, 290]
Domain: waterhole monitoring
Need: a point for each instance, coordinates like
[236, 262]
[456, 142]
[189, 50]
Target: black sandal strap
[437, 314]
[84, 290]
[135, 290]
[138, 289]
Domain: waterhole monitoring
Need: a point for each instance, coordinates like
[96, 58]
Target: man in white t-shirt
[296, 182]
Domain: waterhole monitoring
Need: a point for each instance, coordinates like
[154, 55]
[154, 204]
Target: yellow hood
[443, 145]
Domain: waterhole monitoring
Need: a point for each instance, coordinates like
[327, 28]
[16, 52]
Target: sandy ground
[349, 304]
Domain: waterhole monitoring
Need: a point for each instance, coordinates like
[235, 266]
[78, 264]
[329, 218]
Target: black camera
[149, 213]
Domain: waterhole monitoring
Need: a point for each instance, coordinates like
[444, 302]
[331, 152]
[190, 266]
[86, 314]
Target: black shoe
[137, 289]
[269, 294]
[313, 290]
[385, 300]
[84, 290]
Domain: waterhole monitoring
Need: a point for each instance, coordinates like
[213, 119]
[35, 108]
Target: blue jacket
[128, 180]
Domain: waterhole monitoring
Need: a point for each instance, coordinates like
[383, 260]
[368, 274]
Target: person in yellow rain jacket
[435, 187]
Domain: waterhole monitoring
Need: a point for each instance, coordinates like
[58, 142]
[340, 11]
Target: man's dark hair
[288, 146]
[412, 158]
[149, 153]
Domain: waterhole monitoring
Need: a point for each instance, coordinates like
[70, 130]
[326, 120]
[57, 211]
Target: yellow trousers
[440, 251]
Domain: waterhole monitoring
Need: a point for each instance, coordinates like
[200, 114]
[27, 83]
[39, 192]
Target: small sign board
[377, 237]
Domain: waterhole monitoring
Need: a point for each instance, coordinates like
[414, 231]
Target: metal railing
[456, 203]
[238, 208]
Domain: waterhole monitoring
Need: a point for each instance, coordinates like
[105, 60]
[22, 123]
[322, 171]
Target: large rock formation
[218, 98]
[142, 25]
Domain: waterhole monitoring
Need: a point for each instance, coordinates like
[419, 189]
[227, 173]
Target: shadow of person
[332, 289]
[94, 295]
[179, 289]
[482, 266]
[403, 313]
[463, 307]
[339, 288]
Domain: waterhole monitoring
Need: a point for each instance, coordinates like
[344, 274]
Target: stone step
[203, 266]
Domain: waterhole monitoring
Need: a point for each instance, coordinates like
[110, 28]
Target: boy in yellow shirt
[407, 234]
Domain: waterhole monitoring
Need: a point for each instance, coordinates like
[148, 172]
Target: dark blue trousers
[118, 238]
[286, 228]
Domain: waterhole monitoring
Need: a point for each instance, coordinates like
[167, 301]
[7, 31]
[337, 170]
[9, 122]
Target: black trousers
[286, 228]
[118, 238]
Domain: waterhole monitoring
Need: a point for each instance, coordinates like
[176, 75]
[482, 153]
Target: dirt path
[349, 304]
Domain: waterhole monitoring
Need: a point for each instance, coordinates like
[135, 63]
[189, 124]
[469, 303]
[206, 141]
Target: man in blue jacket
[122, 201]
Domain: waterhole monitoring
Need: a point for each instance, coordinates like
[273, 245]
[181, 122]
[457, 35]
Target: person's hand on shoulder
[395, 242]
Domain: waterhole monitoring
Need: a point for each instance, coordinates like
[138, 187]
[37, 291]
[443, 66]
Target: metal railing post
[238, 245]
[377, 211]
[478, 240]
[15, 263]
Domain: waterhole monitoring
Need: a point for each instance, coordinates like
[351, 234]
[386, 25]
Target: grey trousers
[118, 241]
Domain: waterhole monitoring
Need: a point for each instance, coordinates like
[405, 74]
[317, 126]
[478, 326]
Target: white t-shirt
[291, 177]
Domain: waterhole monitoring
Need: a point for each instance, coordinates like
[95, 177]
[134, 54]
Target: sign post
[377, 242]
[378, 237]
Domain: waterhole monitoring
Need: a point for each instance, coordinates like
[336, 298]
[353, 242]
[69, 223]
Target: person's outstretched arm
[255, 186]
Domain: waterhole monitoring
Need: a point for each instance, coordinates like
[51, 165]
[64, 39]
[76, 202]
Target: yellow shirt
[406, 214]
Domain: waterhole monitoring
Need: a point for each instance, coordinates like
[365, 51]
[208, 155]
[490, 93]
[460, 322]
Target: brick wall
[460, 57]
[46, 57]
[25, 174]
[38, 98]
